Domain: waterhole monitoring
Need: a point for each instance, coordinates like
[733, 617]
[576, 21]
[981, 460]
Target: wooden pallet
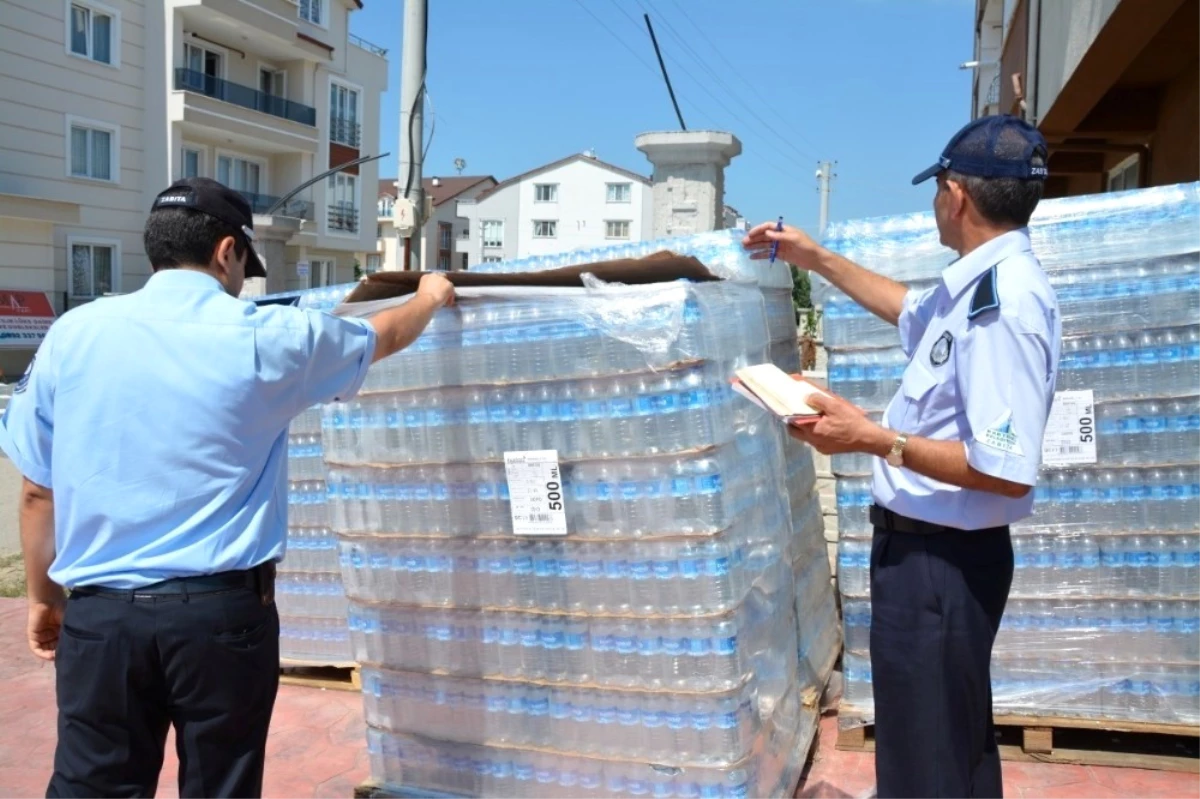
[1091, 742]
[371, 790]
[333, 676]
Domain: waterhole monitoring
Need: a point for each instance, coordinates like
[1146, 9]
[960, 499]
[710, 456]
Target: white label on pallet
[535, 492]
[1070, 437]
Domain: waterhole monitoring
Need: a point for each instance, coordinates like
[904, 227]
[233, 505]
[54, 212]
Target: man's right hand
[795, 246]
[437, 288]
[45, 626]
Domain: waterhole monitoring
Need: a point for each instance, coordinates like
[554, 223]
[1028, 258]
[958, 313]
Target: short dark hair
[1002, 201]
[176, 237]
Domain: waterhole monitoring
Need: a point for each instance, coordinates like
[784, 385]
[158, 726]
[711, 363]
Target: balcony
[343, 218]
[345, 131]
[262, 204]
[371, 48]
[244, 96]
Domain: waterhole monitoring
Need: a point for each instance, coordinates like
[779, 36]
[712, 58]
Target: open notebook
[774, 390]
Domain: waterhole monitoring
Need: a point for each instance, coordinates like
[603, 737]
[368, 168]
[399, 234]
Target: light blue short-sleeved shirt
[983, 347]
[159, 419]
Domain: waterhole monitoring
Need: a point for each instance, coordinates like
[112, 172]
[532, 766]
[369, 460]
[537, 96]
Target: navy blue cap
[1000, 146]
[214, 199]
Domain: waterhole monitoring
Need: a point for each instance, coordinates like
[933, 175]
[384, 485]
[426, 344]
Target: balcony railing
[244, 96]
[993, 95]
[343, 217]
[262, 203]
[368, 46]
[344, 131]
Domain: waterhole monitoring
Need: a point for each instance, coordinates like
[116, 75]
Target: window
[545, 192]
[616, 229]
[545, 228]
[93, 32]
[491, 259]
[379, 230]
[93, 266]
[374, 262]
[343, 202]
[205, 67]
[1125, 176]
[94, 150]
[272, 82]
[466, 229]
[620, 192]
[445, 235]
[321, 273]
[464, 262]
[343, 115]
[190, 165]
[385, 206]
[443, 262]
[240, 174]
[313, 11]
[493, 233]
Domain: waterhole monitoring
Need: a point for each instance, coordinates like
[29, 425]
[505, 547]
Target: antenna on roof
[460, 164]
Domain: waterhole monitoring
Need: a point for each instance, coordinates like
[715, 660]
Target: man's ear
[958, 198]
[224, 255]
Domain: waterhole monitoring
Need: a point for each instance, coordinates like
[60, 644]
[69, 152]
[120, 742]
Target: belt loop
[132, 593]
[183, 590]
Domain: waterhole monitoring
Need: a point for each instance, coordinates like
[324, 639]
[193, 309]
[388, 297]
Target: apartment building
[576, 202]
[1114, 85]
[442, 229]
[104, 102]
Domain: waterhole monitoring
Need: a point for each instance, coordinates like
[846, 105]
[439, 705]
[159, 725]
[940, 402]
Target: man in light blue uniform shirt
[151, 430]
[958, 453]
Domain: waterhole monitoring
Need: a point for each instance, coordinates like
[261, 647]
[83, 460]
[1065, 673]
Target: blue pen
[775, 244]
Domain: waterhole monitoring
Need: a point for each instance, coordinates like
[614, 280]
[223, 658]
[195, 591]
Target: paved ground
[316, 745]
[10, 486]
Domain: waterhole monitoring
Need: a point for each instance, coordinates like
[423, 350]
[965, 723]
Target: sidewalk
[316, 746]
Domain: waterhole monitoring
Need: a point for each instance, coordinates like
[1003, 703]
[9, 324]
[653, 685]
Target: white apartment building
[577, 202]
[103, 103]
[442, 229]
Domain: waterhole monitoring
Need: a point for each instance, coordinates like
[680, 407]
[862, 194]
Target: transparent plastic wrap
[308, 591]
[1157, 362]
[819, 637]
[675, 582]
[675, 410]
[529, 334]
[314, 640]
[684, 494]
[638, 578]
[701, 653]
[406, 762]
[1096, 298]
[720, 250]
[1066, 233]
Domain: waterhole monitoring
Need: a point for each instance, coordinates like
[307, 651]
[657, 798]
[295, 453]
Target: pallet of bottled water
[308, 590]
[654, 647]
[1103, 616]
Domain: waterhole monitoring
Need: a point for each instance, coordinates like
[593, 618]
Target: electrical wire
[412, 111]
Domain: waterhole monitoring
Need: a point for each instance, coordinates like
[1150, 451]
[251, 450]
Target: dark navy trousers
[127, 669]
[936, 603]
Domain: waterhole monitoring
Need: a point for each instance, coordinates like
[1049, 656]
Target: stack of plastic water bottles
[661, 630]
[722, 253]
[1104, 611]
[308, 590]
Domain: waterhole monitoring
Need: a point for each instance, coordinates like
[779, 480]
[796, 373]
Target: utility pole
[412, 113]
[825, 178]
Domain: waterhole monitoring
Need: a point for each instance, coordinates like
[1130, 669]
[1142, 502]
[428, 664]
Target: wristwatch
[895, 456]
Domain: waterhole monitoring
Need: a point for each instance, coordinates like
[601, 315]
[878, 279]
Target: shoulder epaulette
[986, 296]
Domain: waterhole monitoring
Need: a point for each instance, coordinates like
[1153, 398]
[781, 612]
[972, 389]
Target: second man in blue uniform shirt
[151, 430]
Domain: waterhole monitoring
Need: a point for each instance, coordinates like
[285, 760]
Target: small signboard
[25, 317]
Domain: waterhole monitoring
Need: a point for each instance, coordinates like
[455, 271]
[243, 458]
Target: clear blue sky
[872, 84]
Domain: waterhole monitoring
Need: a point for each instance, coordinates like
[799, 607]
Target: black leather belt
[895, 523]
[261, 578]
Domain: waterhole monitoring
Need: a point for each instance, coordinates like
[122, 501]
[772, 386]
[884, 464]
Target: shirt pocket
[917, 388]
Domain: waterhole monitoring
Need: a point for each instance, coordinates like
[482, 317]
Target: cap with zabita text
[1000, 146]
[220, 202]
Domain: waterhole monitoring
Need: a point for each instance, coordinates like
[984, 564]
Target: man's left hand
[843, 427]
[45, 626]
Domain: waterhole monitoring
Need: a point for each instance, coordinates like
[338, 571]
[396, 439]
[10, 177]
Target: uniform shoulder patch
[986, 296]
[23, 383]
[1002, 435]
